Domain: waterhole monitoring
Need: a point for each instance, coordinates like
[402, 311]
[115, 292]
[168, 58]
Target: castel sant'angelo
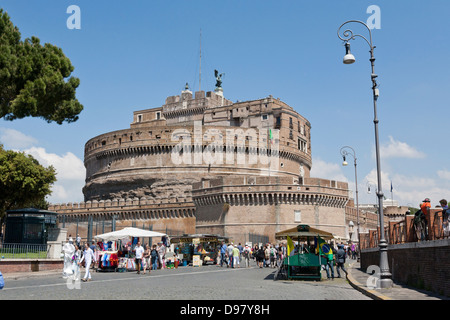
[203, 164]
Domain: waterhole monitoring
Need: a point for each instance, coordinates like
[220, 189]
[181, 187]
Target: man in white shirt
[88, 257]
[139, 254]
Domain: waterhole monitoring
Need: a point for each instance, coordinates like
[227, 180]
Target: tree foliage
[23, 181]
[33, 78]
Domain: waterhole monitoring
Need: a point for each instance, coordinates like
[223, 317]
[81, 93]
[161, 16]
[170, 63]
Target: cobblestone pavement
[185, 283]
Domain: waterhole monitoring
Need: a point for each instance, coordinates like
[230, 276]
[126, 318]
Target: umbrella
[129, 232]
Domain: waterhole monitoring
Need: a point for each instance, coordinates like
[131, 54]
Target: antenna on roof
[200, 71]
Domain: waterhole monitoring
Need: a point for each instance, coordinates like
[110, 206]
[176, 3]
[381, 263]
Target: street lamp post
[344, 154]
[385, 280]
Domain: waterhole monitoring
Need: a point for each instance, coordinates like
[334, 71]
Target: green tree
[34, 78]
[23, 181]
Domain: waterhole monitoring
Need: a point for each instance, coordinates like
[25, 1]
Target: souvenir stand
[304, 262]
[107, 256]
[123, 259]
[199, 249]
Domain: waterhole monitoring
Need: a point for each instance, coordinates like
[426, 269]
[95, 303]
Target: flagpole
[392, 194]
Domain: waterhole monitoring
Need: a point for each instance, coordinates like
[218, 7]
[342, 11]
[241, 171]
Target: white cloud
[70, 174]
[13, 139]
[407, 189]
[326, 170]
[70, 171]
[398, 149]
[67, 166]
[444, 174]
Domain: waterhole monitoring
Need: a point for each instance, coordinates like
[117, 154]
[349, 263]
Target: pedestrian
[353, 249]
[230, 254]
[236, 256]
[330, 264]
[78, 240]
[340, 261]
[223, 253]
[267, 255]
[445, 217]
[246, 255]
[260, 256]
[93, 248]
[280, 255]
[75, 263]
[273, 256]
[162, 255]
[425, 207]
[88, 257]
[154, 257]
[139, 251]
[146, 259]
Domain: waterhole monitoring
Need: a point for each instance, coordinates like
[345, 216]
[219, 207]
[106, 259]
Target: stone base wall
[238, 221]
[30, 265]
[423, 265]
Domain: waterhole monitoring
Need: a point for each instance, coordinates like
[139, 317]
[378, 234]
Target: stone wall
[237, 206]
[30, 265]
[423, 265]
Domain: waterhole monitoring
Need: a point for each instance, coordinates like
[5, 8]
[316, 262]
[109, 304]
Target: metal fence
[257, 239]
[23, 251]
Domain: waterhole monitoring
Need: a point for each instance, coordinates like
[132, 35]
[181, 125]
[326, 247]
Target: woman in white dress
[75, 263]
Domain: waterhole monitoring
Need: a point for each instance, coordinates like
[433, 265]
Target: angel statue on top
[218, 78]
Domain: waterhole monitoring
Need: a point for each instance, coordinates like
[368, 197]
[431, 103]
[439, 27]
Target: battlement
[263, 190]
[120, 204]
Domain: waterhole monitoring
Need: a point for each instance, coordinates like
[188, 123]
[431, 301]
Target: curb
[26, 275]
[361, 288]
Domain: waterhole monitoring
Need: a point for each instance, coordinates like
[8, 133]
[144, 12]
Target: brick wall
[423, 265]
[30, 265]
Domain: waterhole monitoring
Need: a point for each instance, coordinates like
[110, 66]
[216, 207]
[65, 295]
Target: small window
[297, 216]
[158, 115]
[264, 117]
[139, 118]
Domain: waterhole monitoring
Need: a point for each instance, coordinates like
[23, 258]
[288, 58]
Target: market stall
[305, 260]
[117, 254]
[199, 249]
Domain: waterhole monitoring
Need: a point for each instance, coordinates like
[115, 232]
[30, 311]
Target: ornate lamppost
[385, 276]
[344, 154]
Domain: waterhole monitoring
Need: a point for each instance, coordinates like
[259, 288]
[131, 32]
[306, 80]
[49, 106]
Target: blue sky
[132, 55]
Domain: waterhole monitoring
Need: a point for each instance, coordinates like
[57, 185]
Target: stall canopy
[129, 232]
[303, 231]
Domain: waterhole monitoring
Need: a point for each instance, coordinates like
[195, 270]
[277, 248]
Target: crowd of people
[77, 255]
[265, 256]
[272, 255]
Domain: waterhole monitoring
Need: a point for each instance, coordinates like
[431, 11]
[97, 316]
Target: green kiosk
[303, 262]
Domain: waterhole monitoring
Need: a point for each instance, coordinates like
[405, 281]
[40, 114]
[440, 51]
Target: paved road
[185, 283]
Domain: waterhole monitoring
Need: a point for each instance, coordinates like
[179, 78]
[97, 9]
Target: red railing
[405, 231]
